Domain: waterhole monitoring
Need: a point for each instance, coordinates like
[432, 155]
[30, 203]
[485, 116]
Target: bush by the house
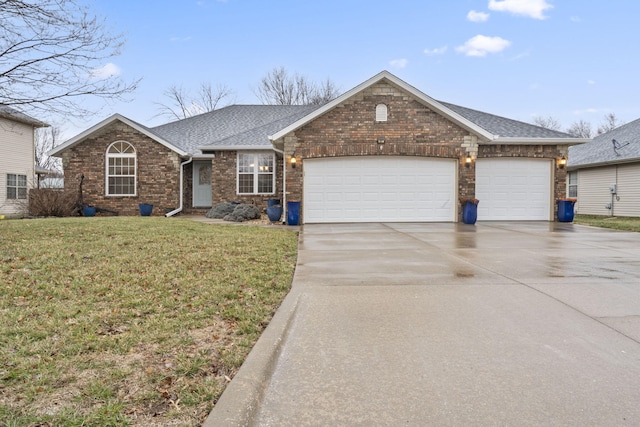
[52, 202]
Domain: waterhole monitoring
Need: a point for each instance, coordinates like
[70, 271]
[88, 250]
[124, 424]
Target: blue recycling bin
[565, 210]
[469, 212]
[293, 213]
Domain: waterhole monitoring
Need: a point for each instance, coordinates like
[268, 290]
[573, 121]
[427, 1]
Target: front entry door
[202, 184]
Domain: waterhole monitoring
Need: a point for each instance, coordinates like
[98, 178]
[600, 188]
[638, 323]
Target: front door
[202, 184]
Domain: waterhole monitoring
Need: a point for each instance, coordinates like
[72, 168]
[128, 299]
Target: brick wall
[157, 171]
[224, 172]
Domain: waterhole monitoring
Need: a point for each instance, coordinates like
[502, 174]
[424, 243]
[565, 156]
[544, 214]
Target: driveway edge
[241, 397]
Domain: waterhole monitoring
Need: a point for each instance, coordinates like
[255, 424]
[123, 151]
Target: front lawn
[618, 223]
[130, 320]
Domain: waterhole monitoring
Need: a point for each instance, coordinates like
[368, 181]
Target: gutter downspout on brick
[284, 185]
[182, 165]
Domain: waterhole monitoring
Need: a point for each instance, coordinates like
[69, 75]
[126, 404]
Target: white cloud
[531, 8]
[107, 70]
[591, 82]
[436, 51]
[474, 16]
[482, 45]
[399, 63]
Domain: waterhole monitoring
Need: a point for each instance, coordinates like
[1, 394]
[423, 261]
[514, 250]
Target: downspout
[182, 165]
[284, 184]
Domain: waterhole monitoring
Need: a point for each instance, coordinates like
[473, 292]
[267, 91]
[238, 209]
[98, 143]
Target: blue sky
[571, 59]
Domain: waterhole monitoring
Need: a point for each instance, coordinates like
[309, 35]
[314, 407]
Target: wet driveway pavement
[449, 324]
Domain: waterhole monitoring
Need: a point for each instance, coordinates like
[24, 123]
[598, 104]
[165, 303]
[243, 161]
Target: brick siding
[158, 170]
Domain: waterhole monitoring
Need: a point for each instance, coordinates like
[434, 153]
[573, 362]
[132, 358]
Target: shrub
[220, 210]
[52, 202]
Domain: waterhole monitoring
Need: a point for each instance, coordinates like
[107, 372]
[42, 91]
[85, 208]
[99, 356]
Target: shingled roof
[503, 127]
[17, 116]
[235, 126]
[603, 150]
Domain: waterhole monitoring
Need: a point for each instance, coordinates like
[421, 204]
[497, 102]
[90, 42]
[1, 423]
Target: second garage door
[379, 189]
[513, 189]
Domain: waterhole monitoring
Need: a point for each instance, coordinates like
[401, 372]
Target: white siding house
[607, 173]
[17, 159]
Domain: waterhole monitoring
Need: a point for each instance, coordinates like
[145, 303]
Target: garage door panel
[380, 189]
[513, 189]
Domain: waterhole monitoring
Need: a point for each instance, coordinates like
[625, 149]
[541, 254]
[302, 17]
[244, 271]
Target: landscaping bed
[130, 320]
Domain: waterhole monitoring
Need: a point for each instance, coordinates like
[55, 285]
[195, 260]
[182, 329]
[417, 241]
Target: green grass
[617, 223]
[131, 321]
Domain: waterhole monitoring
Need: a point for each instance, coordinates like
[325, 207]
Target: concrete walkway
[450, 324]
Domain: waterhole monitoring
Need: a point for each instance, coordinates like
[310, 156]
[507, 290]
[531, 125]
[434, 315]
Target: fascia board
[537, 141]
[116, 117]
[236, 148]
[424, 98]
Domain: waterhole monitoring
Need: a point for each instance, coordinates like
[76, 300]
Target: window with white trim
[255, 173]
[16, 186]
[381, 113]
[573, 184]
[121, 169]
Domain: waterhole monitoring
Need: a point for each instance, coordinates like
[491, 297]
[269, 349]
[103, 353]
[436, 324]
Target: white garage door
[379, 188]
[513, 189]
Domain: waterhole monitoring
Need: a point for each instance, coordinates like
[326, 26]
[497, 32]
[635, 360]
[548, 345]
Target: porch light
[562, 162]
[381, 140]
[293, 162]
[467, 161]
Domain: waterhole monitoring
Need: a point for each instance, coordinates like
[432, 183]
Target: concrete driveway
[450, 324]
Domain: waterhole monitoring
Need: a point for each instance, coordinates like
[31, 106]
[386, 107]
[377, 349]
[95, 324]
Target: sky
[569, 59]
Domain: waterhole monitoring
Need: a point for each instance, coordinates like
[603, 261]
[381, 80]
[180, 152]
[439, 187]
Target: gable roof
[603, 151]
[17, 116]
[235, 127]
[116, 117]
[490, 128]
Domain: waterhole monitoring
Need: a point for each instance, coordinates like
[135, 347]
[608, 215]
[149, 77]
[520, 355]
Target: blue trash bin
[470, 212]
[565, 210]
[293, 213]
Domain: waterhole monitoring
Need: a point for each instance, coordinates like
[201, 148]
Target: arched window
[381, 113]
[121, 169]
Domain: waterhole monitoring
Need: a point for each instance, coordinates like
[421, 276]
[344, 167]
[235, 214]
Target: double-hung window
[255, 173]
[16, 186]
[121, 169]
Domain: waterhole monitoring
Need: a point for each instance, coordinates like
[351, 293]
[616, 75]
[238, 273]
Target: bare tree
[278, 87]
[45, 140]
[55, 53]
[610, 122]
[548, 122]
[580, 129]
[182, 105]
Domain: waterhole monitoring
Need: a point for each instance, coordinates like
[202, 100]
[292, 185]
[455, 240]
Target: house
[383, 151]
[17, 159]
[604, 174]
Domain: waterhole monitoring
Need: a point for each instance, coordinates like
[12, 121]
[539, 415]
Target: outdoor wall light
[293, 162]
[467, 161]
[562, 162]
[381, 140]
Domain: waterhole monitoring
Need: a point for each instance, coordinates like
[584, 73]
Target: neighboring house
[604, 174]
[17, 159]
[383, 151]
